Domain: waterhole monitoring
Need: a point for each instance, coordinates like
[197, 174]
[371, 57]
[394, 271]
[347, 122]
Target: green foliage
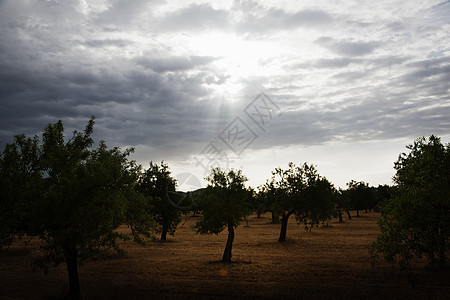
[300, 190]
[86, 195]
[416, 222]
[20, 178]
[341, 201]
[256, 202]
[267, 197]
[319, 206]
[384, 192]
[71, 196]
[156, 184]
[360, 195]
[225, 201]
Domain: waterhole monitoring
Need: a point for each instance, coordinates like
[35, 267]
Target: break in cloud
[168, 77]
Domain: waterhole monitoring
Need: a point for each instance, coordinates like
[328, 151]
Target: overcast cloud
[167, 78]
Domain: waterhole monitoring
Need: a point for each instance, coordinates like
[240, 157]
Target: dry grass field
[328, 263]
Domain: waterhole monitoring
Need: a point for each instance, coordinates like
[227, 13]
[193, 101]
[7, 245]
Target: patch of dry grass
[328, 263]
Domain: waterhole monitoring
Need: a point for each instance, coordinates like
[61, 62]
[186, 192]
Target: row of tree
[358, 196]
[73, 197]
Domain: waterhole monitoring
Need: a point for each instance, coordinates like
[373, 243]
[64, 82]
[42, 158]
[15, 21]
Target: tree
[267, 196]
[416, 221]
[258, 202]
[319, 196]
[383, 194]
[77, 197]
[361, 196]
[155, 184]
[20, 176]
[252, 205]
[303, 192]
[224, 203]
[342, 203]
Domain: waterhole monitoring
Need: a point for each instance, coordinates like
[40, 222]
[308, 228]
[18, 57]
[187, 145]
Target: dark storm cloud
[347, 47]
[105, 43]
[413, 102]
[172, 64]
[343, 62]
[132, 108]
[56, 63]
[428, 77]
[386, 115]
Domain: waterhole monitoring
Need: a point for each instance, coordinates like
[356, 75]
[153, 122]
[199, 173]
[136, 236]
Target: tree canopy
[361, 196]
[223, 203]
[155, 184]
[301, 191]
[20, 181]
[75, 196]
[416, 221]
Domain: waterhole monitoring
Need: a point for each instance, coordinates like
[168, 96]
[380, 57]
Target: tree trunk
[284, 222]
[258, 214]
[164, 234]
[357, 212]
[71, 257]
[226, 258]
[348, 214]
[340, 216]
[442, 248]
[275, 218]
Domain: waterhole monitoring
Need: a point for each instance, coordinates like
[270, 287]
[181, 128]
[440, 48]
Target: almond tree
[223, 203]
[302, 192]
[20, 178]
[76, 198]
[416, 221]
[361, 196]
[155, 184]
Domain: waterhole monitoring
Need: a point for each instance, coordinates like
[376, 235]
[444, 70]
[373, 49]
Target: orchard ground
[328, 263]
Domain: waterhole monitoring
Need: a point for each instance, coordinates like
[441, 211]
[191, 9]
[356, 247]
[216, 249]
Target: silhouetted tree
[303, 192]
[383, 194]
[258, 203]
[342, 203]
[223, 203]
[20, 177]
[361, 196]
[416, 221]
[76, 197]
[267, 200]
[156, 184]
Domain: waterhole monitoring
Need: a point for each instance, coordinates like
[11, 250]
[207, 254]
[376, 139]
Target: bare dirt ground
[328, 263]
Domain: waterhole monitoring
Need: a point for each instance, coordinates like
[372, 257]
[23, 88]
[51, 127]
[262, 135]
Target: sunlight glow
[238, 59]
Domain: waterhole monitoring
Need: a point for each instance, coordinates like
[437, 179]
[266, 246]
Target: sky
[343, 85]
